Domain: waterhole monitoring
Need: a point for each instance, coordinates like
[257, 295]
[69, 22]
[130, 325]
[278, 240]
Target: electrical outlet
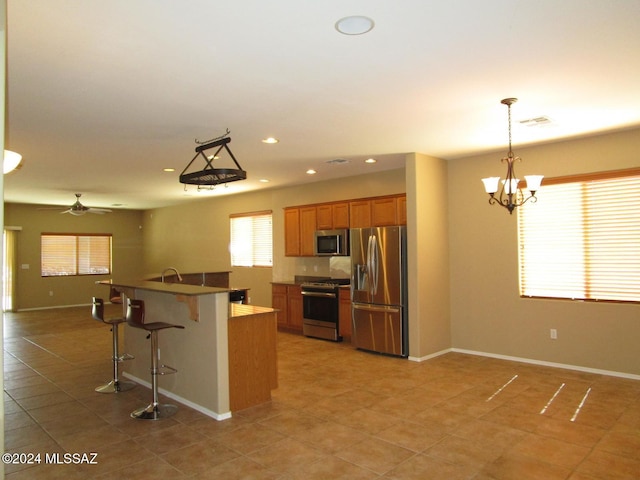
[553, 333]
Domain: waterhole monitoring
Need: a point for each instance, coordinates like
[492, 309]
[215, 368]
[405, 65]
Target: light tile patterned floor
[338, 414]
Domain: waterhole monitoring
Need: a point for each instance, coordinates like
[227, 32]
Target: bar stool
[115, 385]
[136, 318]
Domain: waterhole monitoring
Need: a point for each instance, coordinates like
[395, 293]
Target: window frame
[582, 180]
[83, 264]
[256, 247]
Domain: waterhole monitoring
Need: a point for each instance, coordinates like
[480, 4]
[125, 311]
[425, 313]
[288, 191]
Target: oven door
[320, 314]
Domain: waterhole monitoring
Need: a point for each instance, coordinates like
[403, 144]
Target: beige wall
[195, 237]
[33, 290]
[463, 278]
[487, 314]
[428, 251]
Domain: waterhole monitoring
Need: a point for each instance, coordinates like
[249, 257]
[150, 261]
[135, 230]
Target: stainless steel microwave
[331, 243]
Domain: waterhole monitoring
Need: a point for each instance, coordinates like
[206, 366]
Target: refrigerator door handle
[374, 308]
[369, 265]
[374, 263]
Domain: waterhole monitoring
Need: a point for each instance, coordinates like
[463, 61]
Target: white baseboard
[184, 401]
[52, 307]
[427, 357]
[578, 368]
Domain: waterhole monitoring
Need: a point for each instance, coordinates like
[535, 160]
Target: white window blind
[581, 239]
[74, 254]
[251, 239]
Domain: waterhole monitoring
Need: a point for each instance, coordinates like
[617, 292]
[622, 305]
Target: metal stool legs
[116, 385]
[155, 409]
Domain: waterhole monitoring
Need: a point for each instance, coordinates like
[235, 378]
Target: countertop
[174, 288]
[242, 310]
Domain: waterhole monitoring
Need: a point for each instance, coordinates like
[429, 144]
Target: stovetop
[327, 282]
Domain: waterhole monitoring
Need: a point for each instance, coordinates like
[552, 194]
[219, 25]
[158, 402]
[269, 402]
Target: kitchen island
[221, 345]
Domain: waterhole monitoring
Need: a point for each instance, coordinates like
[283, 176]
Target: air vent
[338, 161]
[536, 122]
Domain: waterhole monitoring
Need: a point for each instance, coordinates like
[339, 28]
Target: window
[581, 239]
[251, 240]
[75, 254]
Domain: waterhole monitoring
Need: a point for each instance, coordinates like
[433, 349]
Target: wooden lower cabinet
[345, 313]
[287, 299]
[294, 307]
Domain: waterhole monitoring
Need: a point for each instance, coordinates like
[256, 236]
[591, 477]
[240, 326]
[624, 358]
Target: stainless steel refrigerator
[379, 289]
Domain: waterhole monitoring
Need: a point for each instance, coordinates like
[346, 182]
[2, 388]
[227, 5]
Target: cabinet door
[360, 214]
[402, 210]
[307, 230]
[324, 217]
[345, 312]
[292, 232]
[294, 298]
[384, 211]
[279, 302]
[340, 215]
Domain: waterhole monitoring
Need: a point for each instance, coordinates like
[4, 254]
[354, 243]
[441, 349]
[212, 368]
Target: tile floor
[338, 414]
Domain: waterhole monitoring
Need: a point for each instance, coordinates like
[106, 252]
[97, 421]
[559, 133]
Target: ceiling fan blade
[99, 211]
[74, 212]
[78, 209]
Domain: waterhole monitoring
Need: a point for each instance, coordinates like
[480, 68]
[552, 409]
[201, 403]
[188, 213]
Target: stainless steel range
[320, 309]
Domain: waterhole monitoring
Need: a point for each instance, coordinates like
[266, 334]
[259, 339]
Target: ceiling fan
[78, 208]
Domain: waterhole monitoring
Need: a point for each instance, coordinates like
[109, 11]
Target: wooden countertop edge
[242, 310]
[172, 288]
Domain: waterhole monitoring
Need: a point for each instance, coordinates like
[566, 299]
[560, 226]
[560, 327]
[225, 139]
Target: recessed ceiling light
[370, 160]
[311, 171]
[354, 25]
[264, 180]
[270, 140]
[168, 169]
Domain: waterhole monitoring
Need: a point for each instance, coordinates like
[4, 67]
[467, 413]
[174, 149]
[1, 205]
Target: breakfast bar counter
[225, 355]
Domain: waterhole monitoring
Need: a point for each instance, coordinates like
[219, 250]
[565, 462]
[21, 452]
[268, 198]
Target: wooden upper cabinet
[360, 213]
[384, 211]
[332, 215]
[307, 230]
[340, 214]
[300, 223]
[402, 210]
[324, 217]
[292, 232]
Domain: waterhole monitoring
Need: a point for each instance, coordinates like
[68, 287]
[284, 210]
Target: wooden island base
[253, 371]
[225, 354]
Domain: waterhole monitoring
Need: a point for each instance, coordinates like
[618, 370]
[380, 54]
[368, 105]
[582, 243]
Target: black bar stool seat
[136, 319]
[115, 385]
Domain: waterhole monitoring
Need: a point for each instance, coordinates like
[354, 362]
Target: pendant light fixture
[511, 195]
[210, 176]
[12, 161]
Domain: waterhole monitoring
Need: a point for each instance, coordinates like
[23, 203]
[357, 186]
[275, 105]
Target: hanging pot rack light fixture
[511, 195]
[211, 176]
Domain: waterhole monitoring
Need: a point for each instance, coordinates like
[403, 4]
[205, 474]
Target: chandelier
[511, 195]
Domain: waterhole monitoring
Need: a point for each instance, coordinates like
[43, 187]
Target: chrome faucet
[169, 269]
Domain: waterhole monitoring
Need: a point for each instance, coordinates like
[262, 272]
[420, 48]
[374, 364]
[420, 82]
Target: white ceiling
[102, 95]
